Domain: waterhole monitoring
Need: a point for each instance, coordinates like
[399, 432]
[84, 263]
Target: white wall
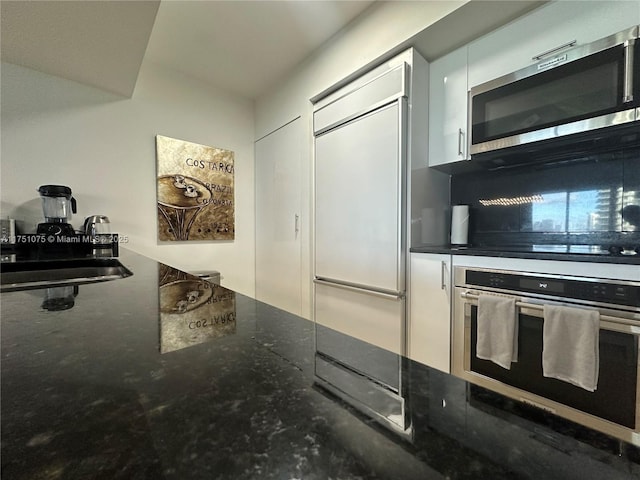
[103, 146]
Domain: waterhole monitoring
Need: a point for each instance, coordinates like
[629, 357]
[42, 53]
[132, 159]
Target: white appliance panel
[364, 315]
[358, 205]
[362, 99]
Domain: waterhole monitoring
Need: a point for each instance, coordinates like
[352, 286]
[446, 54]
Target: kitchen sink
[48, 273]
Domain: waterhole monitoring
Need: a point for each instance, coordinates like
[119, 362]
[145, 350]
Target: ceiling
[241, 46]
[99, 43]
[244, 47]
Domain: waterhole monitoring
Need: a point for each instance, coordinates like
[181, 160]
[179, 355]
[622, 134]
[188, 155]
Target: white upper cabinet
[448, 109]
[560, 23]
[503, 51]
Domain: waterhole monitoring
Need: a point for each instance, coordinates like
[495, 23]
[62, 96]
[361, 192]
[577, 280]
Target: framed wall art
[195, 191]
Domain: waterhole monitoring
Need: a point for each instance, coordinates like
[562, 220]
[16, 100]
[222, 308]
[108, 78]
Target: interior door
[358, 174]
[278, 207]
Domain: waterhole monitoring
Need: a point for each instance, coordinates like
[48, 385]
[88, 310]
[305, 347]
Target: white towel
[497, 330]
[570, 349]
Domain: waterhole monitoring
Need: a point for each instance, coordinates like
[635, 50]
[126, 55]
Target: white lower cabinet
[430, 310]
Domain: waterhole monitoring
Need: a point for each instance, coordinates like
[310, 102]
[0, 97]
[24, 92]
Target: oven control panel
[619, 293]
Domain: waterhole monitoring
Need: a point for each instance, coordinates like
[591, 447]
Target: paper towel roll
[459, 224]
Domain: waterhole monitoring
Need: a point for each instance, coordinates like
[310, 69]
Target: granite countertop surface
[544, 252]
[163, 376]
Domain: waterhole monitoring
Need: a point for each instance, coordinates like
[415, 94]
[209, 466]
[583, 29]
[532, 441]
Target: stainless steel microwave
[569, 91]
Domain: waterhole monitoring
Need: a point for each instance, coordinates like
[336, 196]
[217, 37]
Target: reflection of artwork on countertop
[195, 191]
[192, 310]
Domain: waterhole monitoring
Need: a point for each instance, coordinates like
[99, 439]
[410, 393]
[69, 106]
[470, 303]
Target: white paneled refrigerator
[359, 251]
[363, 140]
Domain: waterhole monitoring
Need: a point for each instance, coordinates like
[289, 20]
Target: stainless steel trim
[403, 165]
[459, 276]
[617, 118]
[361, 113]
[388, 389]
[554, 50]
[342, 381]
[628, 71]
[359, 288]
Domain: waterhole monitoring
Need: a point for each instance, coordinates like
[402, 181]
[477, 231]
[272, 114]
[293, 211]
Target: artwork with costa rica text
[192, 310]
[195, 191]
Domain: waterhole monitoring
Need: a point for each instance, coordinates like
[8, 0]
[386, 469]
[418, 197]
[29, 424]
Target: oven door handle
[607, 322]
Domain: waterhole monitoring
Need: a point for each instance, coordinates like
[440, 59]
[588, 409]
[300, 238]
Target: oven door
[613, 408]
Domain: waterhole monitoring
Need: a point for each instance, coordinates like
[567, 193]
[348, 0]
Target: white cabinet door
[448, 109]
[513, 46]
[430, 310]
[278, 190]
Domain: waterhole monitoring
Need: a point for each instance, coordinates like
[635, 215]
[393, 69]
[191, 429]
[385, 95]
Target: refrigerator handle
[354, 288]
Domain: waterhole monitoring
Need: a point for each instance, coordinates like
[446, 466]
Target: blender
[58, 204]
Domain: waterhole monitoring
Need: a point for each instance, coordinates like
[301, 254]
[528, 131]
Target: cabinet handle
[460, 142]
[443, 271]
[554, 50]
[627, 94]
[296, 224]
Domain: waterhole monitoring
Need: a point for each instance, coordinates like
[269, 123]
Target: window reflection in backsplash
[587, 200]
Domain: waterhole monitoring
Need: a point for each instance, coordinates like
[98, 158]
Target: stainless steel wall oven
[614, 407]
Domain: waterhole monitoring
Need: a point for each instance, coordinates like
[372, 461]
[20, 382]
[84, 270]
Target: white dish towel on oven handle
[571, 351]
[497, 330]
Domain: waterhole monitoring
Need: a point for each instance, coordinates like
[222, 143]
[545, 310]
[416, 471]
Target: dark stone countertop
[544, 253]
[159, 376]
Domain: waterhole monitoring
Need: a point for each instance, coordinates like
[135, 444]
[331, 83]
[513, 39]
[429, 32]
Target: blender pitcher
[57, 204]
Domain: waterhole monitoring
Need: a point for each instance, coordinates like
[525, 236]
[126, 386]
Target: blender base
[50, 228]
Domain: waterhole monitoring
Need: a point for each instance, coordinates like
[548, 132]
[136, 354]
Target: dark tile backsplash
[591, 199]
